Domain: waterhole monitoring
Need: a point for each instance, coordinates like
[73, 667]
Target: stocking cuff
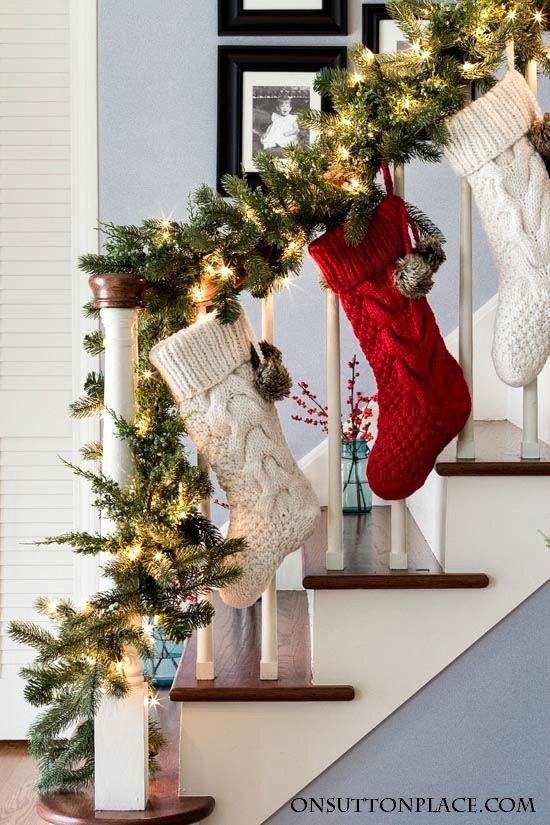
[200, 356]
[491, 125]
[343, 266]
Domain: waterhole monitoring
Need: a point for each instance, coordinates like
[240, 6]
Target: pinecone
[413, 278]
[431, 249]
[272, 379]
[539, 135]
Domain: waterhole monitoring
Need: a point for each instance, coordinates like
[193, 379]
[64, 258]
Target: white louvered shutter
[36, 491]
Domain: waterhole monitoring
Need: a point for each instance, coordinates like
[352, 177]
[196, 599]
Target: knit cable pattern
[512, 191]
[423, 399]
[272, 504]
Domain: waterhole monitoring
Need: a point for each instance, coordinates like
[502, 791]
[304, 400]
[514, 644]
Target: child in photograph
[284, 129]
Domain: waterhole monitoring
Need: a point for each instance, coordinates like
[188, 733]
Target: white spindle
[335, 549]
[121, 721]
[465, 449]
[399, 180]
[269, 661]
[398, 552]
[530, 448]
[204, 666]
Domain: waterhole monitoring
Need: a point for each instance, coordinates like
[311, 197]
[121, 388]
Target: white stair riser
[496, 524]
[258, 754]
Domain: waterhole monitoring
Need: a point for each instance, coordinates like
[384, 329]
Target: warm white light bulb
[134, 552]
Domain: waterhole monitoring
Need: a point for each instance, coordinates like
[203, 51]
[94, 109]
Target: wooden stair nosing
[395, 581]
[472, 467]
[265, 692]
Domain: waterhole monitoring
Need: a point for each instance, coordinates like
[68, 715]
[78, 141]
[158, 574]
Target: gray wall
[482, 727]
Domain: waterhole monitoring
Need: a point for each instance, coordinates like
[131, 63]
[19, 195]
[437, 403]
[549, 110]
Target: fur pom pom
[539, 135]
[431, 249]
[271, 376]
[413, 278]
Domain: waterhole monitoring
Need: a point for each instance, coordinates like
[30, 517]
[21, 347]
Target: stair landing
[367, 540]
[237, 643]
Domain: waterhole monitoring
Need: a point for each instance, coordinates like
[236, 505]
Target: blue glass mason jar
[162, 667]
[356, 493]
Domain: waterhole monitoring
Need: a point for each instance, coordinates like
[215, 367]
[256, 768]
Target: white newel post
[530, 448]
[398, 552]
[335, 518]
[121, 725]
[465, 449]
[204, 666]
[269, 660]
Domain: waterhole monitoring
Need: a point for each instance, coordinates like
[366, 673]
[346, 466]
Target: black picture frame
[233, 62]
[373, 15]
[331, 19]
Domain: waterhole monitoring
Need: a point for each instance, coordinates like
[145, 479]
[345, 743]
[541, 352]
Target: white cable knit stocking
[512, 190]
[273, 507]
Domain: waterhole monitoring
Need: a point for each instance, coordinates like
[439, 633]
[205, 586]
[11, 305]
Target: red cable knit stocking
[423, 398]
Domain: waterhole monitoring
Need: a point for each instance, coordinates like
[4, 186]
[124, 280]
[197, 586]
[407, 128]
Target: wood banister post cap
[203, 293]
[122, 290]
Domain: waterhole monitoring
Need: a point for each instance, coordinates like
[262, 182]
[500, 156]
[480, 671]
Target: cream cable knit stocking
[512, 190]
[207, 367]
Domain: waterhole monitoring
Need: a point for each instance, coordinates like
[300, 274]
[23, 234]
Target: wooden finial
[117, 290]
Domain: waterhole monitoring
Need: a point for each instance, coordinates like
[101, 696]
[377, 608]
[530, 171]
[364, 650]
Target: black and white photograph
[260, 96]
[381, 33]
[270, 114]
[282, 17]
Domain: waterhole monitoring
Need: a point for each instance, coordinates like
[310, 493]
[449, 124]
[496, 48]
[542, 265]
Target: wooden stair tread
[78, 809]
[237, 643]
[498, 453]
[367, 541]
